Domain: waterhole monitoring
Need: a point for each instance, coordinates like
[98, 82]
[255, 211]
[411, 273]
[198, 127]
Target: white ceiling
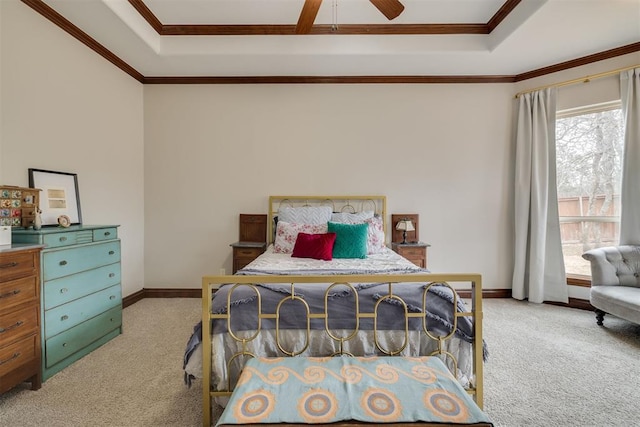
[536, 34]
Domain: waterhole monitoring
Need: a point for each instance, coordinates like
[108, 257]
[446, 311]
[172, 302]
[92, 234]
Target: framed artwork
[59, 196]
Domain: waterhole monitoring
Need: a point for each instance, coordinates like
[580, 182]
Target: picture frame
[59, 196]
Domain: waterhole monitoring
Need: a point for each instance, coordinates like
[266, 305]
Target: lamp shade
[405, 225]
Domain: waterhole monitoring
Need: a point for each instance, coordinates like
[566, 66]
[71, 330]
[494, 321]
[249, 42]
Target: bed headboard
[351, 204]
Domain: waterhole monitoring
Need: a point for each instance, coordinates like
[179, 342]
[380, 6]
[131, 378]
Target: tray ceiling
[227, 38]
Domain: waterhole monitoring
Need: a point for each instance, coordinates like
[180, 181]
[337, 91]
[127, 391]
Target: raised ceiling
[248, 38]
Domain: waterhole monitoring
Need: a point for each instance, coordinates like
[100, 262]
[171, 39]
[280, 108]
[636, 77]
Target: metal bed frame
[209, 283]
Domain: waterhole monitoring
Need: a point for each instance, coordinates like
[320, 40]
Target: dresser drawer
[18, 354]
[105, 234]
[64, 262]
[63, 317]
[65, 344]
[68, 238]
[19, 324]
[62, 290]
[18, 291]
[18, 264]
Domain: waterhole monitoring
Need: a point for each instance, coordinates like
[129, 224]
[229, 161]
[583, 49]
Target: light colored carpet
[553, 366]
[549, 366]
[133, 380]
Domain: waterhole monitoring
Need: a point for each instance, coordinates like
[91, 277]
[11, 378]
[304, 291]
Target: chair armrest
[614, 265]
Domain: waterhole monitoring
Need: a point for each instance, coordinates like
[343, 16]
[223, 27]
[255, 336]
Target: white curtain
[538, 273]
[630, 195]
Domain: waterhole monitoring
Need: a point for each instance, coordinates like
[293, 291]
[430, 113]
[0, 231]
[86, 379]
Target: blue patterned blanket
[373, 390]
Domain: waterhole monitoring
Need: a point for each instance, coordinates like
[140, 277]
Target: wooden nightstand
[252, 240]
[414, 252]
[245, 252]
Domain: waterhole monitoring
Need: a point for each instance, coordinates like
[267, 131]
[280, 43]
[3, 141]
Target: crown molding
[57, 19]
[342, 29]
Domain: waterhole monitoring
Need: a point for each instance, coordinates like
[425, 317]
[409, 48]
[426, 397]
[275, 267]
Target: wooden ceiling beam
[346, 29]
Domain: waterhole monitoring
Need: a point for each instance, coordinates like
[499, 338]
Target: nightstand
[245, 252]
[252, 240]
[414, 252]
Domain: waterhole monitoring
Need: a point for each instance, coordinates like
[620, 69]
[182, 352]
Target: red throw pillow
[316, 246]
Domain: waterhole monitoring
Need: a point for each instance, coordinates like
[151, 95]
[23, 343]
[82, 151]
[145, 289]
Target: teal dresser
[81, 292]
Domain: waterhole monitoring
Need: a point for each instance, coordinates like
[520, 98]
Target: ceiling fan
[389, 8]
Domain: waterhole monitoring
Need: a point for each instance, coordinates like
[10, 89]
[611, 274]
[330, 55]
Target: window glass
[589, 160]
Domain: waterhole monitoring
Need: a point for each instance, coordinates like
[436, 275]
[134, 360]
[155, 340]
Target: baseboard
[579, 303]
[487, 293]
[464, 293]
[160, 293]
[133, 298]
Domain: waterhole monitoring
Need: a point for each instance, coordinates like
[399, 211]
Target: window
[589, 144]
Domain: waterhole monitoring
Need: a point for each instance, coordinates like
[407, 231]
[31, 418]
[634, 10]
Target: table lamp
[405, 225]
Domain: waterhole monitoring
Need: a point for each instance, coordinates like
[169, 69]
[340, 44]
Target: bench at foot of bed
[343, 391]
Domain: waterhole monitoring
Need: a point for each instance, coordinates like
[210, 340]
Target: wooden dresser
[19, 316]
[81, 293]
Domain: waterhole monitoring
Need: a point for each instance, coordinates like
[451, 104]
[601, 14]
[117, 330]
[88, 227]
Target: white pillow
[351, 218]
[287, 233]
[305, 215]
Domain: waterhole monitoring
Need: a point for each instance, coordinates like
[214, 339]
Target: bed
[354, 304]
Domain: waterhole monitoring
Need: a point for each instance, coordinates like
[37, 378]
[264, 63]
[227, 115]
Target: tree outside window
[589, 147]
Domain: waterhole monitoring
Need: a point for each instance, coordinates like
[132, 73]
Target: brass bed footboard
[391, 286]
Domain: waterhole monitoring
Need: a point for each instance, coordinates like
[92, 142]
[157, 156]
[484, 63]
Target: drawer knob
[64, 344]
[108, 233]
[15, 356]
[111, 252]
[9, 265]
[65, 317]
[63, 262]
[64, 290]
[11, 293]
[63, 239]
[112, 274]
[112, 297]
[15, 325]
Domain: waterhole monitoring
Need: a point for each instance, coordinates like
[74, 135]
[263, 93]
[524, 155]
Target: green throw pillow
[351, 240]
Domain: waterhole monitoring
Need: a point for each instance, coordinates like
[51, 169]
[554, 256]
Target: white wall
[65, 108]
[212, 152]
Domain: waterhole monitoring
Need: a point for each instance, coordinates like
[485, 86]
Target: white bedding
[385, 262]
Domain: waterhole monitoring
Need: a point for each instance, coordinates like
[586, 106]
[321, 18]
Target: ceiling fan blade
[389, 8]
[307, 16]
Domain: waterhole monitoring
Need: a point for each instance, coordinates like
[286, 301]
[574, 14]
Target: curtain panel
[539, 273]
[630, 193]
